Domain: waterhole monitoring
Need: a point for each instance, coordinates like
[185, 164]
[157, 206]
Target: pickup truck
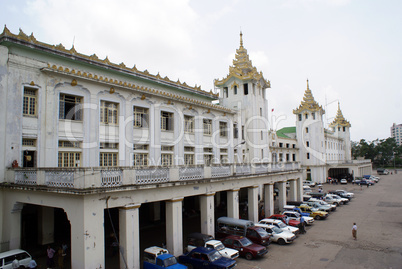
[158, 258]
[203, 240]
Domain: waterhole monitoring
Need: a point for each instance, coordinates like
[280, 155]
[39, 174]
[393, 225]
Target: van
[7, 258]
[231, 226]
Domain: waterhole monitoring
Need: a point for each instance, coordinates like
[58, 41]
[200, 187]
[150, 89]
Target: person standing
[354, 231]
[50, 257]
[302, 225]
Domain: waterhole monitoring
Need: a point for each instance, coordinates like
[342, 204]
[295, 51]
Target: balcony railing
[100, 177]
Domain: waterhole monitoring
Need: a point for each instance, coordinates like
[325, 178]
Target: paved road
[329, 244]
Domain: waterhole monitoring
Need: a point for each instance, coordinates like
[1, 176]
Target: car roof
[156, 250]
[11, 252]
[200, 236]
[203, 250]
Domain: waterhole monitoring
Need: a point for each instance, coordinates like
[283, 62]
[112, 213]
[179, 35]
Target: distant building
[396, 132]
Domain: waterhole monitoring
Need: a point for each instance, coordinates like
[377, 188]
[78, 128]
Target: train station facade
[83, 137]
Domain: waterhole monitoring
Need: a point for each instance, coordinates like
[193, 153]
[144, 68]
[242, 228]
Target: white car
[296, 216]
[343, 200]
[331, 200]
[277, 235]
[344, 181]
[311, 184]
[321, 202]
[280, 225]
[347, 194]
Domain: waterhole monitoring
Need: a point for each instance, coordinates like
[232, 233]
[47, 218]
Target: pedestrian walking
[50, 257]
[302, 225]
[354, 231]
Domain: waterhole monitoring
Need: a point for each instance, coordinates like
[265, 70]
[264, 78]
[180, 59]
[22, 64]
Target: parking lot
[377, 211]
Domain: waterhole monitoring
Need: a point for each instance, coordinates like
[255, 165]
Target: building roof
[308, 103]
[286, 130]
[243, 69]
[6, 38]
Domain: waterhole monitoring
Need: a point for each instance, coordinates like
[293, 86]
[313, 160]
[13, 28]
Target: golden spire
[339, 119]
[243, 68]
[308, 103]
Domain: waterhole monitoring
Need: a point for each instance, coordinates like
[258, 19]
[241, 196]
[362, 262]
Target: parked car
[343, 200]
[158, 258]
[205, 240]
[231, 226]
[340, 194]
[382, 171]
[331, 200]
[346, 193]
[278, 235]
[296, 216]
[280, 225]
[314, 213]
[309, 183]
[322, 202]
[246, 248]
[344, 181]
[7, 258]
[297, 209]
[201, 257]
[317, 205]
[281, 217]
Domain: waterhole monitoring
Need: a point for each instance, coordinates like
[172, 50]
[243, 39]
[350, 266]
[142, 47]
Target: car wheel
[281, 241]
[317, 217]
[249, 256]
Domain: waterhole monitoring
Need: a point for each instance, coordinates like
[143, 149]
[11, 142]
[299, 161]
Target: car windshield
[214, 255]
[281, 225]
[262, 232]
[170, 261]
[245, 242]
[219, 246]
[276, 230]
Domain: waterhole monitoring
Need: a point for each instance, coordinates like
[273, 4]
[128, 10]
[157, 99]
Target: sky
[349, 50]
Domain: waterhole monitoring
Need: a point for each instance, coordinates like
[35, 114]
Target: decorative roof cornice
[308, 103]
[31, 41]
[339, 119]
[53, 68]
[243, 69]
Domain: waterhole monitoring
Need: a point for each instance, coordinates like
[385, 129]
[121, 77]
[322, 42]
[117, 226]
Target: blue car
[206, 258]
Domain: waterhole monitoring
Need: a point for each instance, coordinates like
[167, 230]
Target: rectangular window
[287, 157]
[260, 111]
[300, 117]
[140, 159]
[223, 126]
[140, 147]
[281, 157]
[188, 159]
[287, 145]
[235, 131]
[69, 159]
[225, 92]
[29, 103]
[281, 145]
[307, 144]
[313, 114]
[208, 159]
[294, 146]
[69, 144]
[29, 142]
[167, 148]
[141, 117]
[207, 126]
[188, 124]
[242, 132]
[108, 159]
[294, 157]
[109, 112]
[70, 107]
[105, 145]
[308, 155]
[306, 116]
[306, 130]
[245, 88]
[235, 89]
[166, 121]
[344, 129]
[166, 159]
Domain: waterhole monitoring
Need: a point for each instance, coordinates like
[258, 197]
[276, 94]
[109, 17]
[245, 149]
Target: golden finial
[307, 85]
[241, 39]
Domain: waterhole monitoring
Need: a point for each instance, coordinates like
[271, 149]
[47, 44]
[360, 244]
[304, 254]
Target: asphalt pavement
[377, 211]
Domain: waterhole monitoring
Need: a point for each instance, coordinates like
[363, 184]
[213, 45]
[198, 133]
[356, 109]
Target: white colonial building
[95, 152]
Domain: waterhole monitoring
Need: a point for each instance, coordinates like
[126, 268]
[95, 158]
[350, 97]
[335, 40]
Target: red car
[246, 248]
[294, 223]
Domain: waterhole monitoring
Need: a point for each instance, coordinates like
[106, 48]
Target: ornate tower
[310, 137]
[244, 90]
[342, 130]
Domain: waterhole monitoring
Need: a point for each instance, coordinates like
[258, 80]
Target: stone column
[207, 214]
[174, 226]
[269, 199]
[233, 203]
[87, 234]
[129, 237]
[281, 195]
[15, 226]
[293, 190]
[253, 203]
[299, 185]
[46, 225]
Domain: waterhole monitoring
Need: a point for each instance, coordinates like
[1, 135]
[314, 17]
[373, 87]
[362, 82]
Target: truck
[195, 240]
[158, 258]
